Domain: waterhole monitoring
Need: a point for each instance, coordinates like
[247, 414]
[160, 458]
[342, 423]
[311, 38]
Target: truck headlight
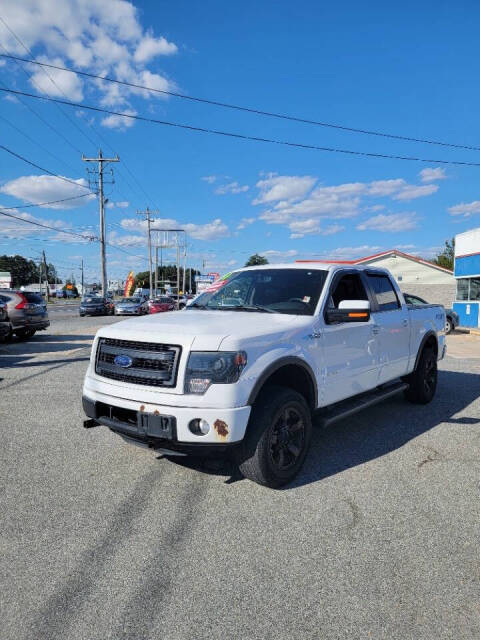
[213, 367]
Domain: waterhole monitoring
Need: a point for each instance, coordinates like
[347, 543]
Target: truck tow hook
[90, 423]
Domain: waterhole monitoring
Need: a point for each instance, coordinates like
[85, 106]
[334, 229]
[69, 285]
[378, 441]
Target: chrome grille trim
[153, 364]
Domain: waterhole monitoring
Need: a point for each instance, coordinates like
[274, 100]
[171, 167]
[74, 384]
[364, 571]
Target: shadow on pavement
[43, 344]
[370, 434]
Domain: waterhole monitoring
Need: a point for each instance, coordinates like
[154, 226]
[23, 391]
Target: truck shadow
[388, 426]
[370, 434]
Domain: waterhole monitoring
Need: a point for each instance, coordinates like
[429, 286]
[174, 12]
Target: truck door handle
[375, 329]
[405, 322]
[315, 335]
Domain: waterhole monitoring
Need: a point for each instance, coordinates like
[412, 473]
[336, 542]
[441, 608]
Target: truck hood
[200, 330]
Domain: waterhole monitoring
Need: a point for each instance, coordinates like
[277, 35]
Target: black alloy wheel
[287, 439]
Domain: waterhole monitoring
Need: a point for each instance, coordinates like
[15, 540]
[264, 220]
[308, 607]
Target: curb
[473, 332]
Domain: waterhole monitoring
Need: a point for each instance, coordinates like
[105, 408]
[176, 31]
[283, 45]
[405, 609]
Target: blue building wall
[467, 266]
[468, 319]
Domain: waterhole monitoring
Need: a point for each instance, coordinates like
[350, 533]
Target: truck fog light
[198, 385]
[199, 427]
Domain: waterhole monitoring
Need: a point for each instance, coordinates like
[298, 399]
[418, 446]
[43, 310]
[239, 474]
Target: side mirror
[349, 311]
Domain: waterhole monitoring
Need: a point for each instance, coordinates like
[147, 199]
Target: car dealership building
[467, 275]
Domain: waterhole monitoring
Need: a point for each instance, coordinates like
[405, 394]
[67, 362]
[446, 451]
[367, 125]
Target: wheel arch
[291, 372]
[429, 340]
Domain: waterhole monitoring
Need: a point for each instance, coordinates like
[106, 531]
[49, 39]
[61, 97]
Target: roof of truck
[323, 266]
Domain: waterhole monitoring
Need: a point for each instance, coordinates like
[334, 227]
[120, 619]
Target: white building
[467, 273]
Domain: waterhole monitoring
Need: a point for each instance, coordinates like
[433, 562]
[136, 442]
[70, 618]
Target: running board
[350, 407]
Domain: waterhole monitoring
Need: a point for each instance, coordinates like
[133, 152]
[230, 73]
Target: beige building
[414, 275]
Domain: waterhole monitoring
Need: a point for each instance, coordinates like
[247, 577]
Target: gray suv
[27, 312]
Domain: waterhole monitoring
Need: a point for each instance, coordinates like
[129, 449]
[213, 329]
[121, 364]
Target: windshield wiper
[251, 307]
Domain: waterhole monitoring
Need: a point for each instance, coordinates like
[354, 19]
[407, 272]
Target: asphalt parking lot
[377, 538]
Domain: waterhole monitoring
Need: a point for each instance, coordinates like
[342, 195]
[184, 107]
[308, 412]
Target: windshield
[131, 300]
[290, 291]
[92, 300]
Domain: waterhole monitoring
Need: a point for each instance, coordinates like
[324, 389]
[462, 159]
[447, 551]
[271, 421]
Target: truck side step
[354, 405]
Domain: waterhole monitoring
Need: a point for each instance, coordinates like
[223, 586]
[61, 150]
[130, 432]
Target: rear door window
[34, 298]
[384, 292]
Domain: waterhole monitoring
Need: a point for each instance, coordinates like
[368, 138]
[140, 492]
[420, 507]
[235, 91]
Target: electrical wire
[46, 226]
[253, 110]
[44, 204]
[37, 166]
[241, 136]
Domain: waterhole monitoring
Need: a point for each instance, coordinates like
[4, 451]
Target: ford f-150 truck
[247, 366]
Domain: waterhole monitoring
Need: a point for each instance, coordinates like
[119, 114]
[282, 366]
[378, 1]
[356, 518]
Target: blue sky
[407, 69]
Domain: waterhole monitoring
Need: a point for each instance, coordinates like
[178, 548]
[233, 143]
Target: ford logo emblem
[123, 361]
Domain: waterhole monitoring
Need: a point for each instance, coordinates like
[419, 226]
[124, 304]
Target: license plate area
[136, 423]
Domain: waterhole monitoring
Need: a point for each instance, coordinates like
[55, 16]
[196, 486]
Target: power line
[100, 136]
[46, 226]
[44, 204]
[241, 136]
[253, 110]
[37, 166]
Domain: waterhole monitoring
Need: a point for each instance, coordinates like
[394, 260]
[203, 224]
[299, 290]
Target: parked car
[161, 304]
[321, 339]
[6, 330]
[134, 306]
[27, 312]
[182, 300]
[451, 317]
[95, 306]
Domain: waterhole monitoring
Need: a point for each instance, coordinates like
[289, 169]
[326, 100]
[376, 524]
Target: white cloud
[465, 209]
[57, 83]
[104, 38]
[123, 204]
[150, 47]
[430, 175]
[231, 187]
[274, 256]
[411, 191]
[208, 231]
[13, 229]
[382, 188]
[120, 122]
[46, 188]
[311, 226]
[209, 179]
[393, 223]
[245, 222]
[275, 187]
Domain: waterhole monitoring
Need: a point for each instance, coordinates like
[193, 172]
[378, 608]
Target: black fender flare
[278, 364]
[424, 341]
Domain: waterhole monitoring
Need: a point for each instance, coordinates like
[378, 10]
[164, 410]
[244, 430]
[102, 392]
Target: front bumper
[143, 422]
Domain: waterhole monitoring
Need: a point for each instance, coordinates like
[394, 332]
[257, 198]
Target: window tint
[349, 287]
[409, 299]
[33, 297]
[384, 292]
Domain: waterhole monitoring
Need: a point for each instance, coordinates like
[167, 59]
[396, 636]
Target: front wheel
[25, 334]
[277, 438]
[423, 381]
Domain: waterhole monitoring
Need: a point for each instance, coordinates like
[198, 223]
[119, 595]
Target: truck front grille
[152, 364]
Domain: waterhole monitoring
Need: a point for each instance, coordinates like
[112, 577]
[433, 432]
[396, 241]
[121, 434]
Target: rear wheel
[423, 381]
[277, 438]
[25, 334]
[448, 326]
[8, 337]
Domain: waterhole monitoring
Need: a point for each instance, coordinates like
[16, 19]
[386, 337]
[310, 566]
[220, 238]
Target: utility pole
[147, 213]
[46, 275]
[83, 289]
[101, 161]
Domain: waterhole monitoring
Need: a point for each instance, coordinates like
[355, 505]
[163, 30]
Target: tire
[25, 334]
[274, 449]
[448, 326]
[8, 337]
[423, 381]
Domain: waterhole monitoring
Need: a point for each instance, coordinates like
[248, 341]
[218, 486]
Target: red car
[161, 304]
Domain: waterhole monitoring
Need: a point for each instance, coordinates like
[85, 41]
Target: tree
[167, 275]
[52, 275]
[22, 271]
[446, 258]
[255, 260]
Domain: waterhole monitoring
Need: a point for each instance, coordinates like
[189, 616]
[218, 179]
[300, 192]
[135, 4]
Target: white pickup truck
[247, 366]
